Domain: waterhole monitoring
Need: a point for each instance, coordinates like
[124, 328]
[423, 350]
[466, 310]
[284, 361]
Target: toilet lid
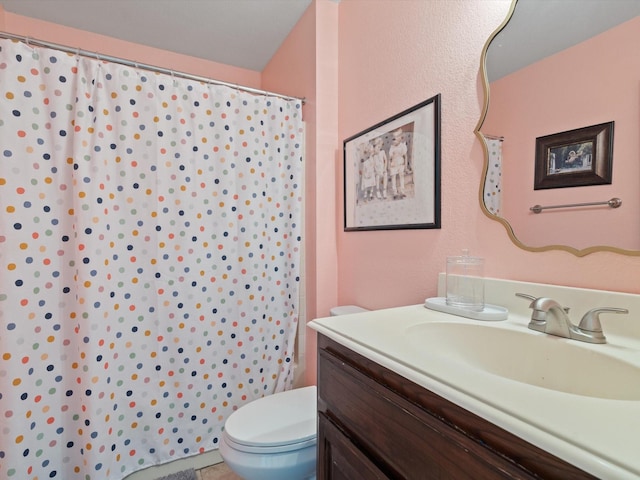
[280, 419]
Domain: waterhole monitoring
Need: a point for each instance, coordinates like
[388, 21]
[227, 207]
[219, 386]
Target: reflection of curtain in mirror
[493, 180]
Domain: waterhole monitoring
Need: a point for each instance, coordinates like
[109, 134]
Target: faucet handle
[528, 297]
[591, 320]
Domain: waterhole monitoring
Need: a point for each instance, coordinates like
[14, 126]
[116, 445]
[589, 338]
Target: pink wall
[391, 58]
[581, 86]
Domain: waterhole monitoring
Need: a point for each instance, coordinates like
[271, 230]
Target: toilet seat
[268, 449]
[276, 423]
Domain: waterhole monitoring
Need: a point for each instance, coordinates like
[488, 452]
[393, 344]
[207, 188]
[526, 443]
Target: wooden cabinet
[376, 424]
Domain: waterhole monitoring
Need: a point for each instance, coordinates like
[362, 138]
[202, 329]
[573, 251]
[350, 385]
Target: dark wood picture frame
[392, 172]
[575, 158]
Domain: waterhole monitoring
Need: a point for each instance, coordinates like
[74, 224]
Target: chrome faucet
[550, 317]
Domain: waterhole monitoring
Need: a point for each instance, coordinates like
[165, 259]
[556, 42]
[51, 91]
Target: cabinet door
[339, 459]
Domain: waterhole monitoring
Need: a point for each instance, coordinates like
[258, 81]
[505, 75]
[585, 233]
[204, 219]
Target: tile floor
[216, 472]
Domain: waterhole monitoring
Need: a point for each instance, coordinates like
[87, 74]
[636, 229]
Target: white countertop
[598, 435]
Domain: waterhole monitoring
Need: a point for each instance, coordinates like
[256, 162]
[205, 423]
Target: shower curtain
[493, 180]
[150, 233]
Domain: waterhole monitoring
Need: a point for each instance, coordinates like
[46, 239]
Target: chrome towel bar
[613, 203]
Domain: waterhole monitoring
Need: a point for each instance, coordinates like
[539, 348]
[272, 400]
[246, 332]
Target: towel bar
[613, 203]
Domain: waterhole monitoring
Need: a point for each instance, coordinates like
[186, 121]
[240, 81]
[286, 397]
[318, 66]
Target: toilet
[274, 437]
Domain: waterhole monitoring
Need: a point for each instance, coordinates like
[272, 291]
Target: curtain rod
[123, 61]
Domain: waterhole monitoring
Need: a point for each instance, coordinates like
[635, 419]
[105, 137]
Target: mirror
[552, 68]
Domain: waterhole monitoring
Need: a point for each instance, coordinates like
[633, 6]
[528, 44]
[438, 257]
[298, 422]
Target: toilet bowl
[274, 437]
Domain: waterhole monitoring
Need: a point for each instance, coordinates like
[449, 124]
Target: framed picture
[392, 172]
[575, 158]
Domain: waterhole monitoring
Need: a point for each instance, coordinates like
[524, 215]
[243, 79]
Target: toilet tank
[346, 310]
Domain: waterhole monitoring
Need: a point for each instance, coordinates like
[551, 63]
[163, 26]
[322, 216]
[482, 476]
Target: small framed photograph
[392, 172]
[576, 158]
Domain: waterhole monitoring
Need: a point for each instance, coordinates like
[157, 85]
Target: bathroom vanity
[414, 393]
[376, 424]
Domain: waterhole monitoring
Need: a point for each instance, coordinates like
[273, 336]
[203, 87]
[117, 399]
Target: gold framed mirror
[571, 80]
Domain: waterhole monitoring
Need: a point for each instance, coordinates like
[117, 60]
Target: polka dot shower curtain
[149, 262]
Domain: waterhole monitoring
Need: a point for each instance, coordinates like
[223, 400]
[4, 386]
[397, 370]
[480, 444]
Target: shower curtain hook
[27, 41]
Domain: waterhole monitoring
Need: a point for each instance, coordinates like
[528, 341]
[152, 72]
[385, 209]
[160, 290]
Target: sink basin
[535, 359]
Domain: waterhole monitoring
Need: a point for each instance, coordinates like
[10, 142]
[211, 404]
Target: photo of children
[382, 170]
[392, 172]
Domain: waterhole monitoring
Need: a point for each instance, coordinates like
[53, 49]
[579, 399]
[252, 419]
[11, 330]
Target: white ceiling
[242, 33]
